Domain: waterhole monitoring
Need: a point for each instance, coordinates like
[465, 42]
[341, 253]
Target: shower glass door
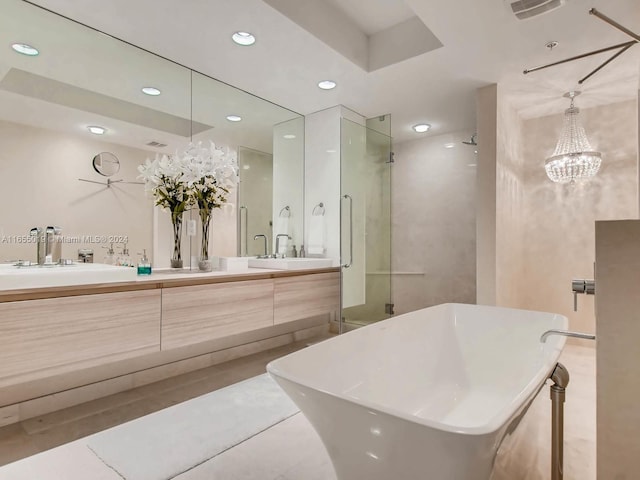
[365, 243]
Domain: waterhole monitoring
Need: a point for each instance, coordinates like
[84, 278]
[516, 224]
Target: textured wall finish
[509, 206]
[559, 228]
[433, 222]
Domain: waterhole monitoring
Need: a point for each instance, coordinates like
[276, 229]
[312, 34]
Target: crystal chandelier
[573, 158]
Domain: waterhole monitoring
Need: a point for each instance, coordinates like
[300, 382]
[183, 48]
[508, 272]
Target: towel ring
[285, 212]
[318, 210]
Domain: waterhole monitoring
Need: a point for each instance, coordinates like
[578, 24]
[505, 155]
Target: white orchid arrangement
[209, 173]
[200, 176]
[164, 178]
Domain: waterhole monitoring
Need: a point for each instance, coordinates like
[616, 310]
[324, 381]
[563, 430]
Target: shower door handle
[246, 231]
[348, 197]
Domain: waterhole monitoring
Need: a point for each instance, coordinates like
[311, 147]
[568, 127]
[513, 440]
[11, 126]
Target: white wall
[433, 222]
[39, 171]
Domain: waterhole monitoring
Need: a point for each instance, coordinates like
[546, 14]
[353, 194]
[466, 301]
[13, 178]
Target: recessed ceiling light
[234, 118]
[96, 130]
[331, 151]
[327, 84]
[246, 167]
[421, 127]
[449, 145]
[25, 49]
[153, 91]
[243, 38]
[471, 165]
[289, 136]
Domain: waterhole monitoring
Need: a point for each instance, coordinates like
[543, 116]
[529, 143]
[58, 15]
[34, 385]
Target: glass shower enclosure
[365, 243]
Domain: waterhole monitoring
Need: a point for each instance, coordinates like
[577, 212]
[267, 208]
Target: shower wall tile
[433, 222]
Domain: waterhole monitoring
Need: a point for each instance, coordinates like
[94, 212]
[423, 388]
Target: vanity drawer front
[43, 337]
[306, 296]
[200, 313]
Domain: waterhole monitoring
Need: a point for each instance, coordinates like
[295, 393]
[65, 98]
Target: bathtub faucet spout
[566, 333]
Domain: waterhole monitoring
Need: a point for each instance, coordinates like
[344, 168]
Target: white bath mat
[164, 444]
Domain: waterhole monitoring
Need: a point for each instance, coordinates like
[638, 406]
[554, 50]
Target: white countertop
[167, 274]
[45, 282]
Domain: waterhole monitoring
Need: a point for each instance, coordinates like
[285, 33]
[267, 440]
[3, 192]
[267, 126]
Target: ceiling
[373, 16]
[83, 78]
[482, 41]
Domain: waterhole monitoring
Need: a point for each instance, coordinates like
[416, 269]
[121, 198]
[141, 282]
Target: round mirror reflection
[106, 164]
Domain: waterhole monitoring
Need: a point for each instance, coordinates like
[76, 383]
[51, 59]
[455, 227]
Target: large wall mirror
[81, 78]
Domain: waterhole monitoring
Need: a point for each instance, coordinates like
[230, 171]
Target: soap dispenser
[144, 265]
[124, 259]
[109, 258]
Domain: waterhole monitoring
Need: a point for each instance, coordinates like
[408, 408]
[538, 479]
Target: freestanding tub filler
[425, 395]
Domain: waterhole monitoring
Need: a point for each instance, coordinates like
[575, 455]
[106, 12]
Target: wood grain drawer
[61, 334]
[306, 296]
[197, 314]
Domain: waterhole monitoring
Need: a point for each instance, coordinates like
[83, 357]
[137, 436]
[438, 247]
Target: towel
[316, 239]
[282, 226]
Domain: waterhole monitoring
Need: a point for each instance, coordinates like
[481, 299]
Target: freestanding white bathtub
[425, 395]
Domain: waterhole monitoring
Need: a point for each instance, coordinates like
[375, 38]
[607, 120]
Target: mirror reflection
[56, 115]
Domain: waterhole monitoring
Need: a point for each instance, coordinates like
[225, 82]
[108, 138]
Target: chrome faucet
[566, 333]
[277, 251]
[37, 232]
[47, 246]
[266, 245]
[51, 246]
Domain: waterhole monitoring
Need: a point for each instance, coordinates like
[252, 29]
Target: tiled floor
[291, 450]
[48, 431]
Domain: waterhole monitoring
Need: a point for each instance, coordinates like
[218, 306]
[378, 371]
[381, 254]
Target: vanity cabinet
[91, 340]
[194, 314]
[305, 296]
[43, 337]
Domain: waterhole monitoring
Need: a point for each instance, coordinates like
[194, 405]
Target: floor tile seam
[105, 463]
[235, 445]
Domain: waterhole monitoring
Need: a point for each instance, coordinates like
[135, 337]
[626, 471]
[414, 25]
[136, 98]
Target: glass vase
[204, 264]
[176, 258]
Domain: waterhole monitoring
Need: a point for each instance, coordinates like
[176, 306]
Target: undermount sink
[14, 277]
[290, 263]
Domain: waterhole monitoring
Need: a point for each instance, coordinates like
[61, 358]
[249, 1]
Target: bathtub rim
[494, 425]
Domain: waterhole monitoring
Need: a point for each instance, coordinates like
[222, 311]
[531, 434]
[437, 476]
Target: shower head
[473, 140]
